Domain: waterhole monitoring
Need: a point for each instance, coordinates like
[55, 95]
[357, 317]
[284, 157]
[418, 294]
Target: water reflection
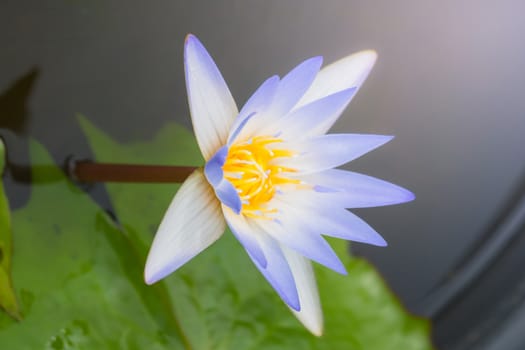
[15, 117]
[14, 120]
[14, 111]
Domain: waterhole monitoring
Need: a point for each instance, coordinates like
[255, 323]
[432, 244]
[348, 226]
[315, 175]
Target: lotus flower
[269, 175]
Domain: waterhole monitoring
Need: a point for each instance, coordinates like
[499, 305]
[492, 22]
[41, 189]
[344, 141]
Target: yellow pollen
[250, 168]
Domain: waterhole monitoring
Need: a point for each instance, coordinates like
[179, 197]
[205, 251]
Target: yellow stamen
[250, 168]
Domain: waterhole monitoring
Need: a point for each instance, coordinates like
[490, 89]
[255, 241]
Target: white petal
[310, 315]
[343, 74]
[192, 222]
[212, 107]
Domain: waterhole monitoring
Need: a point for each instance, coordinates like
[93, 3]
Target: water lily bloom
[269, 175]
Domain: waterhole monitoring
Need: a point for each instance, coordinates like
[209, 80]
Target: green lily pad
[78, 276]
[221, 300]
[8, 300]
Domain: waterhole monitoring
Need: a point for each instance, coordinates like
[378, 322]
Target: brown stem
[87, 171]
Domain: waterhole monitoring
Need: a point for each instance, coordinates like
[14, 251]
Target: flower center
[250, 168]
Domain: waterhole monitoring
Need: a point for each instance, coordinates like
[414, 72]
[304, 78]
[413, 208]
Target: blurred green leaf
[8, 300]
[220, 298]
[78, 277]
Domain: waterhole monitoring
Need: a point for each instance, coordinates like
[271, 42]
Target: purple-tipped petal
[228, 195]
[277, 272]
[341, 223]
[242, 230]
[329, 151]
[238, 128]
[329, 218]
[291, 229]
[294, 84]
[315, 118]
[212, 107]
[289, 91]
[224, 190]
[256, 104]
[345, 73]
[310, 315]
[213, 168]
[354, 190]
[192, 222]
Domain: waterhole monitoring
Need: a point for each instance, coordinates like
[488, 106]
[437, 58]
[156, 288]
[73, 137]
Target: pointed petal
[341, 223]
[238, 128]
[292, 229]
[289, 91]
[277, 272]
[213, 168]
[192, 222]
[345, 73]
[256, 104]
[224, 190]
[310, 315]
[228, 195]
[327, 217]
[354, 190]
[294, 84]
[211, 104]
[262, 97]
[242, 230]
[316, 117]
[329, 151]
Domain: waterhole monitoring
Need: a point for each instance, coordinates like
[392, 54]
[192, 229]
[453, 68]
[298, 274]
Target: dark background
[449, 83]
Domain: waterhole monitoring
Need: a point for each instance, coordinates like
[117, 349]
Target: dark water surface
[448, 83]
